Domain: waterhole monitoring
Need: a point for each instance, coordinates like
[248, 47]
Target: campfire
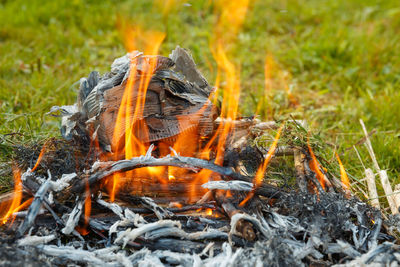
[162, 173]
[157, 167]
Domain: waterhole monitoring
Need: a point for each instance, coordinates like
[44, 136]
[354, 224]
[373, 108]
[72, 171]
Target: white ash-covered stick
[75, 255]
[382, 173]
[371, 185]
[35, 240]
[372, 192]
[229, 185]
[388, 191]
[369, 146]
[73, 219]
[178, 232]
[132, 234]
[34, 208]
[160, 212]
[176, 161]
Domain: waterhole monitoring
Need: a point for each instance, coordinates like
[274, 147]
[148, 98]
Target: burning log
[171, 93]
[177, 161]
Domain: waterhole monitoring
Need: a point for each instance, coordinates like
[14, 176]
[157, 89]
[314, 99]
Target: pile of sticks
[300, 227]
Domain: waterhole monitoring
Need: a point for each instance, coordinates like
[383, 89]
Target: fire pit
[154, 171]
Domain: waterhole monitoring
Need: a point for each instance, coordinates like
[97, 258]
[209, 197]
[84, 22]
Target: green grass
[340, 59]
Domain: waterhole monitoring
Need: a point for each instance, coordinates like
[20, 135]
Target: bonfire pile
[153, 174]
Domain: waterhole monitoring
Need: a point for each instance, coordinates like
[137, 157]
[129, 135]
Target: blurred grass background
[329, 62]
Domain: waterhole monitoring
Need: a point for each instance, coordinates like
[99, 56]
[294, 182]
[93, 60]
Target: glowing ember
[261, 170]
[171, 177]
[343, 176]
[209, 212]
[82, 230]
[88, 205]
[176, 205]
[315, 166]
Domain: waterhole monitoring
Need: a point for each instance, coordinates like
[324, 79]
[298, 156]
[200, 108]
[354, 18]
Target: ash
[298, 229]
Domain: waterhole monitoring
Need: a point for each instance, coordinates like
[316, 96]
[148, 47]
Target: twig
[359, 157]
[382, 173]
[369, 146]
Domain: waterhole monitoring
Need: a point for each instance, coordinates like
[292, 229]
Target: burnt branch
[176, 161]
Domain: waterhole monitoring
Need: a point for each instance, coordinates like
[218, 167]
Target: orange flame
[261, 170]
[228, 112]
[130, 114]
[16, 201]
[40, 157]
[187, 142]
[231, 15]
[315, 166]
[24, 205]
[343, 176]
[230, 19]
[82, 230]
